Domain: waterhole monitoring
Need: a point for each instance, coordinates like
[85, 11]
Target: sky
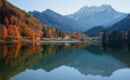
[65, 7]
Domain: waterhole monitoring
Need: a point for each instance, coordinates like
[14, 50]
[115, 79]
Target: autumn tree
[76, 35]
[13, 16]
[13, 32]
[36, 34]
[3, 32]
[83, 36]
[6, 21]
[54, 32]
[13, 20]
[44, 30]
[47, 31]
[50, 32]
[27, 32]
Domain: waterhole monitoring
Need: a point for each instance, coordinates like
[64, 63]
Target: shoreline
[43, 40]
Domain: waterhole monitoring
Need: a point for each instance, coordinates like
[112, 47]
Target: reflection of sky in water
[80, 64]
[68, 73]
[63, 62]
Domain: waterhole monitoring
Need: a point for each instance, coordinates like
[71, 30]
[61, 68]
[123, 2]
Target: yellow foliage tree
[50, 32]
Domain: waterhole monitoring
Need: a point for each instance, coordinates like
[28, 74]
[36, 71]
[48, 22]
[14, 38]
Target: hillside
[95, 31]
[58, 21]
[118, 33]
[17, 24]
[103, 15]
[123, 25]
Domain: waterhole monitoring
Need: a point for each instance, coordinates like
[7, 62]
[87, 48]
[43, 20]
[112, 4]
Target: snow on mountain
[103, 15]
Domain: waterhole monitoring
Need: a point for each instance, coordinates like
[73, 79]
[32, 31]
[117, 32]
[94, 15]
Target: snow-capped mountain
[103, 15]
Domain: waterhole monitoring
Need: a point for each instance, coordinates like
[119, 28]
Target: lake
[64, 61]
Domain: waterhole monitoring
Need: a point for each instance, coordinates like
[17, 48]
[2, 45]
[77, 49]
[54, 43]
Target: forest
[116, 37]
[16, 24]
[118, 33]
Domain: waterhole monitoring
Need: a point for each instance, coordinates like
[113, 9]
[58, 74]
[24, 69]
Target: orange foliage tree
[3, 32]
[79, 36]
[13, 32]
[37, 34]
[6, 21]
[13, 20]
[76, 35]
[27, 32]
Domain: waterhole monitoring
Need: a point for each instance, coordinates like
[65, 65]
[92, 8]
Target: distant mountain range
[83, 20]
[121, 25]
[103, 15]
[58, 21]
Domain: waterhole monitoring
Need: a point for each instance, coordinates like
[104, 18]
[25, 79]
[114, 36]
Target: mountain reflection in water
[64, 61]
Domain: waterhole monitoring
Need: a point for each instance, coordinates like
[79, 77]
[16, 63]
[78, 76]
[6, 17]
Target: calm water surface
[64, 61]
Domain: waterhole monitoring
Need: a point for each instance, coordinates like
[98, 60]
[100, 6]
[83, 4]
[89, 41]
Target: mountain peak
[90, 16]
[106, 6]
[51, 12]
[48, 10]
[100, 8]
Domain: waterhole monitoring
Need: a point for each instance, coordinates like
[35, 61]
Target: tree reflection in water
[17, 57]
[85, 57]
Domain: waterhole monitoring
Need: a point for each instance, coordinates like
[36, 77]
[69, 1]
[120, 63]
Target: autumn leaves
[16, 24]
[3, 32]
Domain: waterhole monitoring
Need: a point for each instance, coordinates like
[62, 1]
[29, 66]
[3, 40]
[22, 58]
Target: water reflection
[17, 57]
[64, 61]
